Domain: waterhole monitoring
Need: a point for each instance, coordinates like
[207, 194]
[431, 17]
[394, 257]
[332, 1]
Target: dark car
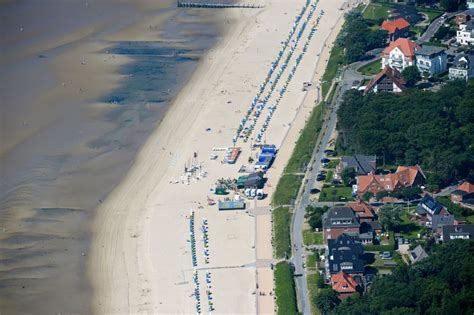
[320, 177]
[314, 191]
[325, 160]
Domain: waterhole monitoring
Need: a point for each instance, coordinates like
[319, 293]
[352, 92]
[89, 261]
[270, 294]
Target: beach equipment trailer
[231, 155]
[266, 157]
[231, 205]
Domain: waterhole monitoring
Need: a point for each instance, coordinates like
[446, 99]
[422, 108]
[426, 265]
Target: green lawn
[333, 163]
[377, 11]
[335, 193]
[335, 60]
[408, 228]
[313, 289]
[281, 232]
[329, 176]
[285, 289]
[431, 13]
[311, 261]
[312, 238]
[371, 68]
[307, 140]
[286, 190]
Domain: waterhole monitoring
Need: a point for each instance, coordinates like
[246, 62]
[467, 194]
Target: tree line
[432, 129]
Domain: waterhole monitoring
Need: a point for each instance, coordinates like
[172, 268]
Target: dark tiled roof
[463, 231]
[429, 205]
[459, 192]
[464, 61]
[441, 220]
[345, 253]
[429, 50]
[340, 217]
[363, 164]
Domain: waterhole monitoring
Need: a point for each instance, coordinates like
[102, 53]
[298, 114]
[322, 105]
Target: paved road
[304, 200]
[434, 26]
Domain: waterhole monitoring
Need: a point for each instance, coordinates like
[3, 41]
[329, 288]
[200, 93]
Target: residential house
[345, 253]
[440, 220]
[465, 33]
[396, 28]
[464, 195]
[363, 210]
[428, 207]
[362, 164]
[387, 80]
[417, 254]
[462, 68]
[464, 16]
[343, 284]
[405, 176]
[367, 238]
[339, 220]
[458, 232]
[399, 54]
[431, 60]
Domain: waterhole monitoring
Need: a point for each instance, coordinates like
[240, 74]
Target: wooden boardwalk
[203, 5]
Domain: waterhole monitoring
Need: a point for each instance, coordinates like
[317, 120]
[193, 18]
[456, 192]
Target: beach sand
[140, 260]
[63, 144]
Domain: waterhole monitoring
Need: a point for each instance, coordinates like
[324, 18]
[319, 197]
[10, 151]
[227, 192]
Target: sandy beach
[141, 256]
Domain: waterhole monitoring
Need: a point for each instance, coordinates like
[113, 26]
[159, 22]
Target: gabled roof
[439, 221]
[361, 208]
[341, 282]
[392, 26]
[340, 217]
[429, 205]
[345, 253]
[363, 164]
[418, 254]
[394, 75]
[408, 47]
[429, 51]
[409, 173]
[403, 177]
[462, 231]
[467, 187]
[464, 61]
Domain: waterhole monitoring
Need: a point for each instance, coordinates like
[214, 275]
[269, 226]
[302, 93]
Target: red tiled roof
[392, 26]
[393, 74]
[404, 176]
[343, 283]
[362, 209]
[407, 47]
[467, 187]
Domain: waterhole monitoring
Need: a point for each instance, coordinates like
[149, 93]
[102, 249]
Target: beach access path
[141, 255]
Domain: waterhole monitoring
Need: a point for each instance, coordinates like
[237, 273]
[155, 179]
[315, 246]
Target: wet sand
[82, 84]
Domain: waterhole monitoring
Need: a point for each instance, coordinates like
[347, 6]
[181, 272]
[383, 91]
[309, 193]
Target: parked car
[325, 160]
[314, 191]
[320, 177]
[385, 255]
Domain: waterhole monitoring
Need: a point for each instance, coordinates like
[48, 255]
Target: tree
[411, 74]
[390, 217]
[367, 196]
[452, 5]
[326, 300]
[381, 194]
[314, 216]
[320, 282]
[440, 284]
[348, 175]
[410, 192]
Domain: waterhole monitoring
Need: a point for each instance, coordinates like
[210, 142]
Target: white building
[465, 34]
[399, 54]
[462, 68]
[431, 60]
[470, 4]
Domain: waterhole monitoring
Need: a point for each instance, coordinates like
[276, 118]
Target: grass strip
[281, 232]
[285, 289]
